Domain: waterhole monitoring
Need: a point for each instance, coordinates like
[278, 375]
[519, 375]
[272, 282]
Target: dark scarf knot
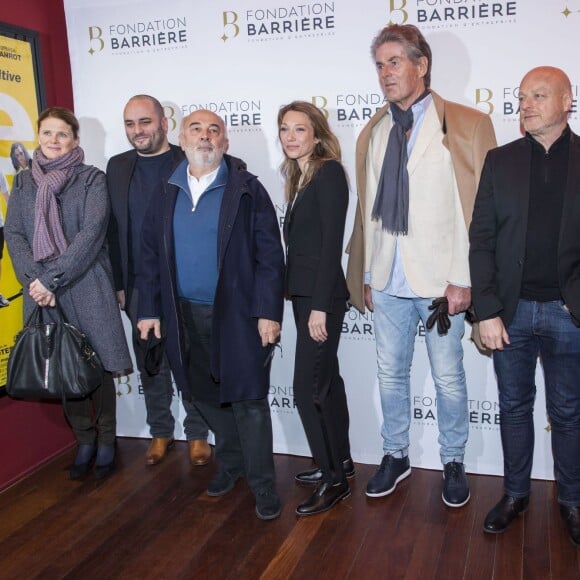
[392, 200]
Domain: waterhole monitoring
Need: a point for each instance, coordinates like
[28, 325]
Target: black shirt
[146, 181]
[548, 176]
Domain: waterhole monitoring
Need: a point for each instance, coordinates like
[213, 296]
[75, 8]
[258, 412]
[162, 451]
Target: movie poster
[21, 98]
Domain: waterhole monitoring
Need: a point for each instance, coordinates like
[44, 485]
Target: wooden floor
[157, 522]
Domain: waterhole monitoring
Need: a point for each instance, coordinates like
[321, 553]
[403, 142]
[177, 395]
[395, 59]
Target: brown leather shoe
[158, 450]
[199, 452]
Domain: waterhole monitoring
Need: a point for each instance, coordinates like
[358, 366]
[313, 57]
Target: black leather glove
[470, 315]
[440, 314]
[152, 350]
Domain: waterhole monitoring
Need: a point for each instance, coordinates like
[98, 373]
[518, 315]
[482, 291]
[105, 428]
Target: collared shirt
[195, 234]
[397, 284]
[198, 186]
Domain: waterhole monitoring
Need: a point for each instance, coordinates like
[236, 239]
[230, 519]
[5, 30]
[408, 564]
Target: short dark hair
[414, 43]
[155, 102]
[63, 114]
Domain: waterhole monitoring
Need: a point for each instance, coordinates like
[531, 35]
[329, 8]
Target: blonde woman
[317, 194]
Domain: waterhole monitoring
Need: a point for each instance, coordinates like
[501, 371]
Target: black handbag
[52, 360]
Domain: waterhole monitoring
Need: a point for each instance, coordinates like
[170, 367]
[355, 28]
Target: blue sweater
[195, 236]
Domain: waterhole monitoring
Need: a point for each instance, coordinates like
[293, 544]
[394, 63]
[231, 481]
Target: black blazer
[314, 233]
[119, 172]
[499, 226]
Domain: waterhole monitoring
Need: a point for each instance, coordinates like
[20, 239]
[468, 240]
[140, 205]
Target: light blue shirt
[397, 284]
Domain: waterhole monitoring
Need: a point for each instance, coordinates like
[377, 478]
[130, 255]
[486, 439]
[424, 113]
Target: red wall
[47, 18]
[32, 433]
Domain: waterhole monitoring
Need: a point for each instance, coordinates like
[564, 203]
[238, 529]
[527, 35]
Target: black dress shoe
[314, 476]
[502, 515]
[325, 497]
[571, 515]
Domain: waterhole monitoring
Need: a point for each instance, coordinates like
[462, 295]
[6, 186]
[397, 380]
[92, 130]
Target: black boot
[504, 513]
[86, 453]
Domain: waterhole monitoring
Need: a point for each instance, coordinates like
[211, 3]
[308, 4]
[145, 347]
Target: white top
[198, 186]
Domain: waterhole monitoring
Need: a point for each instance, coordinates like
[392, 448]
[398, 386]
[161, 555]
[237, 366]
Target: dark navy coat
[249, 287]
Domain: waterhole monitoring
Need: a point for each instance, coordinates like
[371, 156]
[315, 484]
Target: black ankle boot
[105, 462]
[86, 453]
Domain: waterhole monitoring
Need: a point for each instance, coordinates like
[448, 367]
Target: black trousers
[158, 389]
[319, 390]
[94, 418]
[243, 429]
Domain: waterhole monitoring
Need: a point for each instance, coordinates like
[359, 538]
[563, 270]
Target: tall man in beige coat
[418, 164]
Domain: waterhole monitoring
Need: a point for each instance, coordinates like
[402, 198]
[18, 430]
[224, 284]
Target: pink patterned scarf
[51, 176]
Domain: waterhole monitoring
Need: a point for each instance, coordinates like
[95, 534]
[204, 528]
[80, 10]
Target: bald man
[213, 268]
[525, 273]
[133, 178]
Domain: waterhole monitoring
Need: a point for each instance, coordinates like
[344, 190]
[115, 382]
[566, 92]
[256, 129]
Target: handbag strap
[34, 317]
[59, 312]
[37, 312]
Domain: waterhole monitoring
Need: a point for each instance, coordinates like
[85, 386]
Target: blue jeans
[395, 322]
[158, 391]
[545, 329]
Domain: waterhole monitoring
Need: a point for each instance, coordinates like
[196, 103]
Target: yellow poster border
[22, 97]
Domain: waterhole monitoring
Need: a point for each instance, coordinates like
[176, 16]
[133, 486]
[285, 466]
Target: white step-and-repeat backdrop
[243, 60]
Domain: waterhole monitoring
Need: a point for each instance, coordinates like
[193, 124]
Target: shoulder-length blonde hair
[327, 147]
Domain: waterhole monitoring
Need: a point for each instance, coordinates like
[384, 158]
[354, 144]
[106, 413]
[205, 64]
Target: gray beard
[204, 159]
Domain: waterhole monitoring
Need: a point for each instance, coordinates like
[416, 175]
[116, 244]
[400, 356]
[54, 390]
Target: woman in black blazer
[317, 194]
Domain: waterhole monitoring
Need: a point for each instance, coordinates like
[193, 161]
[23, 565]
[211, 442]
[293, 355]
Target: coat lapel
[429, 130]
[291, 210]
[572, 186]
[521, 164]
[229, 207]
[125, 174]
[299, 197]
[362, 147]
[287, 218]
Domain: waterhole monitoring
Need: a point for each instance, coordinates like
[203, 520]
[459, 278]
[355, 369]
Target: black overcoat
[249, 286]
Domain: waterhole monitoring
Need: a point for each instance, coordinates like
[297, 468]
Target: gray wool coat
[81, 277]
